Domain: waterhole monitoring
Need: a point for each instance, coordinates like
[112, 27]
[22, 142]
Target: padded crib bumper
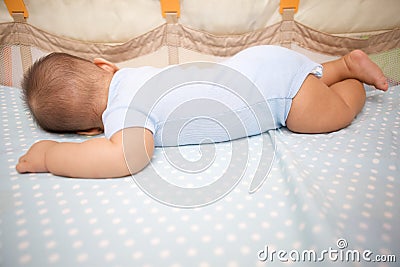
[166, 32]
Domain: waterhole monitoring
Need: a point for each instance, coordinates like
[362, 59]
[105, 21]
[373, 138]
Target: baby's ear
[106, 65]
[90, 132]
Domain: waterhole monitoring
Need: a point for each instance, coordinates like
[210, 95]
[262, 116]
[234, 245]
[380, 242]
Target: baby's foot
[365, 70]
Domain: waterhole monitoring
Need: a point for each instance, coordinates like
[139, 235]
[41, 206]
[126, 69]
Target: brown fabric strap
[287, 25]
[18, 17]
[6, 68]
[172, 37]
[25, 51]
[26, 57]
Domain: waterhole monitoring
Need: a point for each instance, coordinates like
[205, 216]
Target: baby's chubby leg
[354, 65]
[332, 102]
[318, 108]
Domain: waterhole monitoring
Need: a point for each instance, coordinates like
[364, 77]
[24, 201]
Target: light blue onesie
[248, 94]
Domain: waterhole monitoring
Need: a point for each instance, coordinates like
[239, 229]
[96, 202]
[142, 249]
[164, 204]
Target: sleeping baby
[283, 88]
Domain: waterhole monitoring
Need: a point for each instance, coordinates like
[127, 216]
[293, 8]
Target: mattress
[328, 198]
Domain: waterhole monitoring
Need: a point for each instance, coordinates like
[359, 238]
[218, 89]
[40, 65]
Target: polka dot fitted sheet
[323, 193]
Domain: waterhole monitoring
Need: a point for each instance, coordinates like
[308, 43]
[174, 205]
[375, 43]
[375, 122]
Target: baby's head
[67, 94]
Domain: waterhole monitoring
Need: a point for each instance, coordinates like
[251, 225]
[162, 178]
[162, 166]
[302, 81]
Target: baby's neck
[103, 98]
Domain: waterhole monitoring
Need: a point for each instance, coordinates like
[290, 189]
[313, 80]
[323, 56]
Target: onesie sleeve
[121, 118]
[120, 112]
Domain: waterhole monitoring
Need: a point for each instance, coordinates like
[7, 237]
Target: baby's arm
[94, 158]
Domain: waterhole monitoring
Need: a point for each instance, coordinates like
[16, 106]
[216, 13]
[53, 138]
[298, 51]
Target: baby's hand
[34, 160]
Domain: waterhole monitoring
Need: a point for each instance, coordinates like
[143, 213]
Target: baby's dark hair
[60, 92]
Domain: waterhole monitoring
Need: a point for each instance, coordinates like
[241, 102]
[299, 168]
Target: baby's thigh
[316, 108]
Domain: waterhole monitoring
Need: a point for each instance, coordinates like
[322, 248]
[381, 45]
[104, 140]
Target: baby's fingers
[25, 165]
[22, 166]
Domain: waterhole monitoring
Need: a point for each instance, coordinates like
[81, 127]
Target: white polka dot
[25, 259]
[82, 257]
[73, 231]
[218, 226]
[165, 254]
[392, 167]
[23, 245]
[206, 239]
[363, 225]
[110, 256]
[77, 244]
[219, 251]
[53, 258]
[97, 231]
[180, 240]
[116, 220]
[204, 264]
[147, 230]
[139, 220]
[103, 243]
[346, 206]
[51, 244]
[242, 225]
[63, 211]
[255, 236]
[388, 215]
[366, 214]
[360, 238]
[191, 252]
[317, 229]
[280, 235]
[48, 232]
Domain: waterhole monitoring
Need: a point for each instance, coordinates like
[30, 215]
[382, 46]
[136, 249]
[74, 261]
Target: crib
[298, 199]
